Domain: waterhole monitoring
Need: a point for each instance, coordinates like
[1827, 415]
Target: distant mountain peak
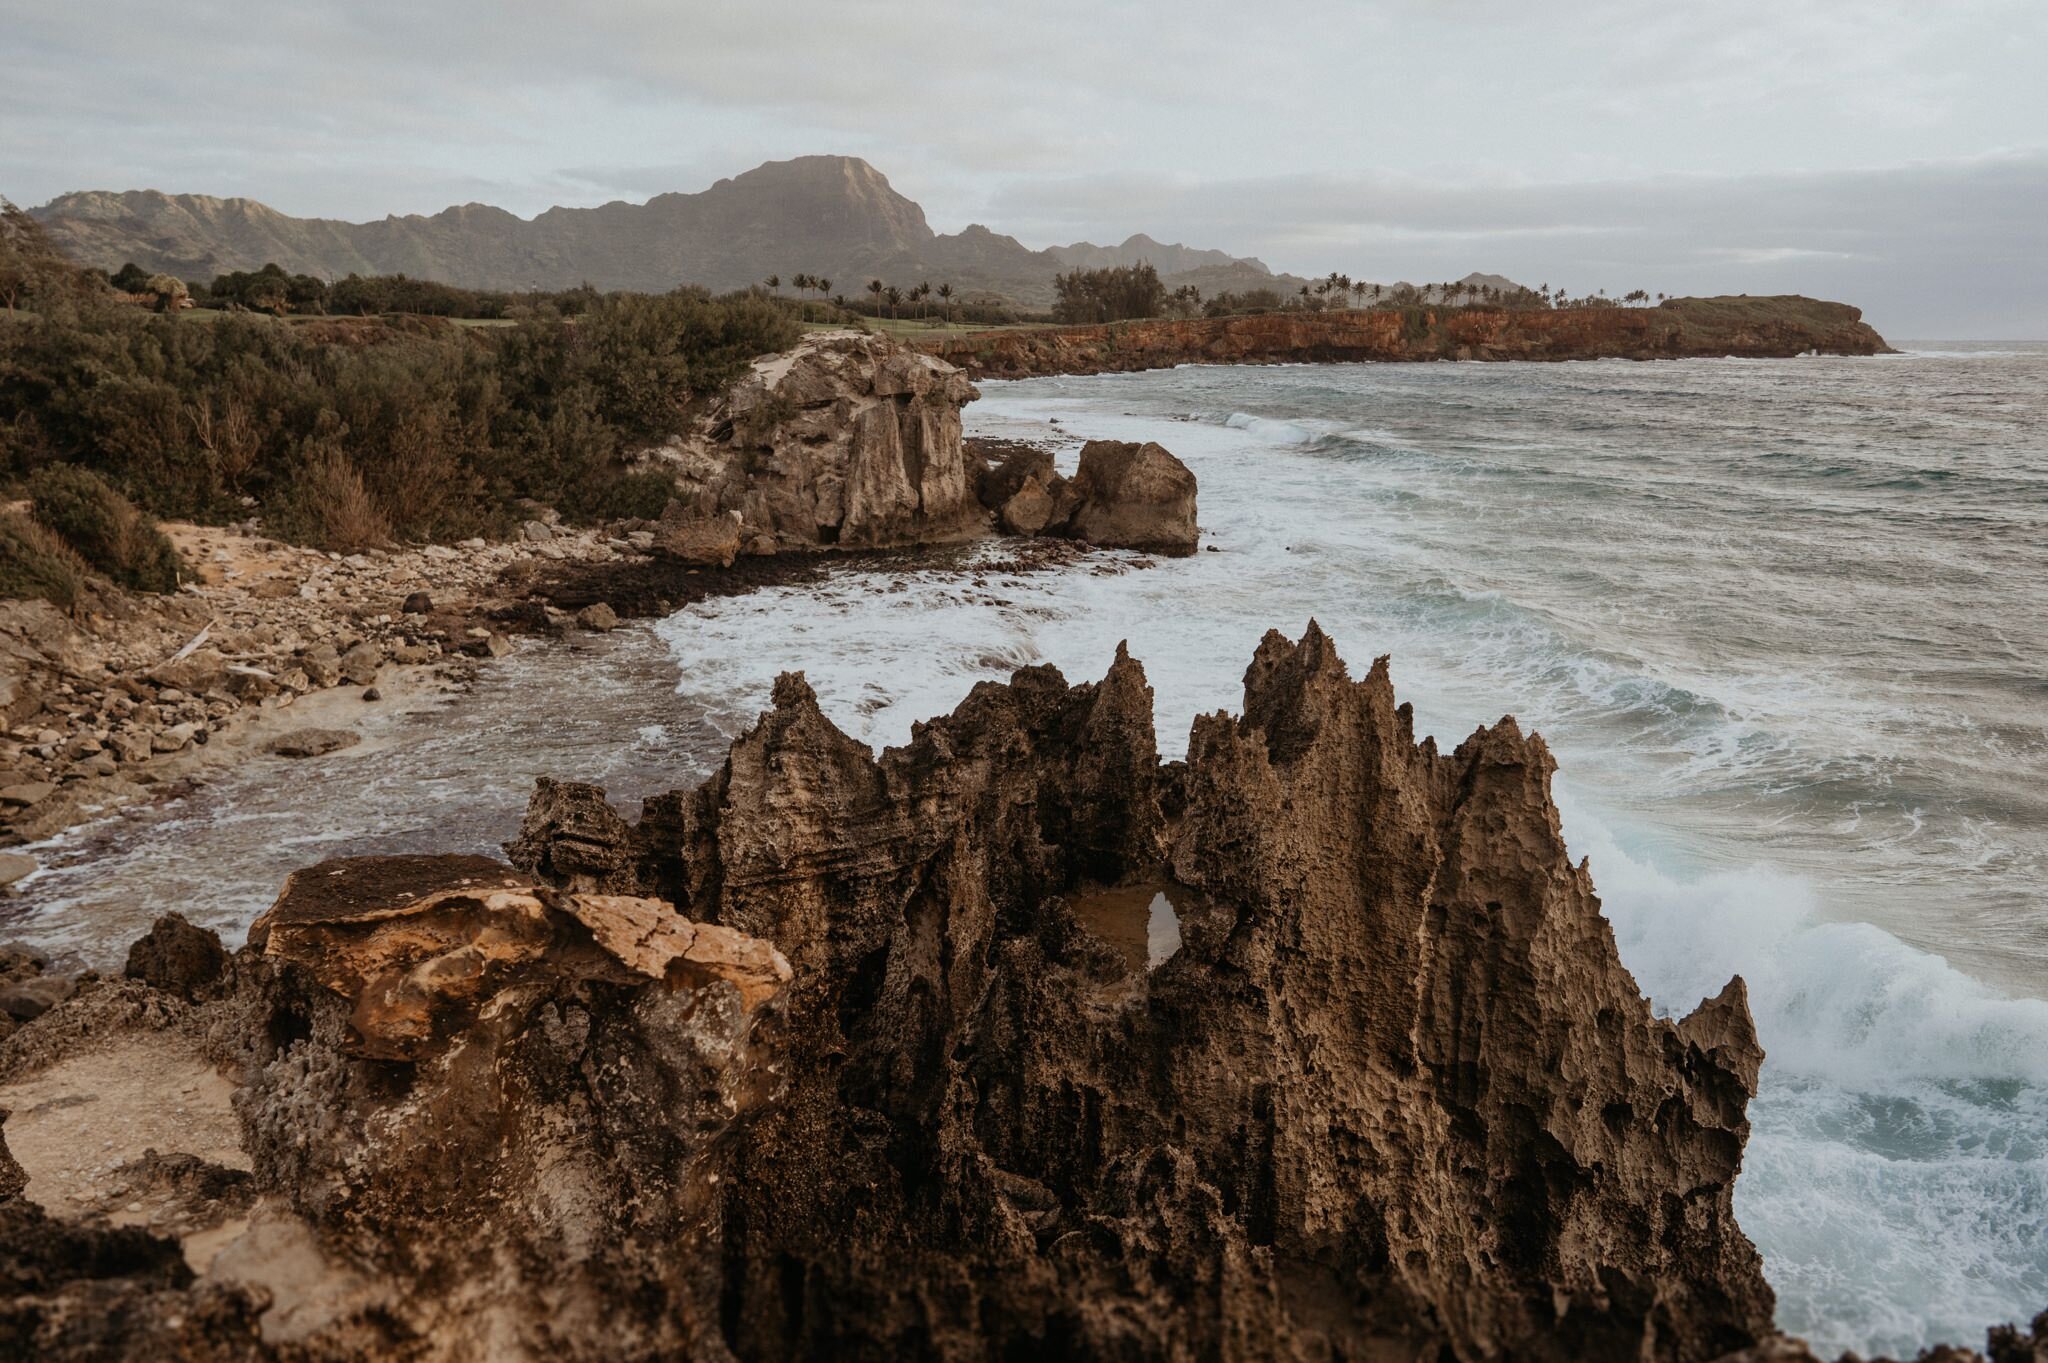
[830, 215]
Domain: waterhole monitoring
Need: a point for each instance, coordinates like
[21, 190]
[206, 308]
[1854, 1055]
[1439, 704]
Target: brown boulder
[1131, 496]
[711, 541]
[177, 958]
[1028, 510]
[313, 742]
[202, 670]
[843, 439]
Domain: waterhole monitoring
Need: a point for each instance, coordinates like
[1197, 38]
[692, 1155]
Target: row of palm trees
[917, 294]
[1335, 287]
[885, 295]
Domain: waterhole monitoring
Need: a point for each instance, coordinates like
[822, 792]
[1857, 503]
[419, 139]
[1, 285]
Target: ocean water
[1783, 623]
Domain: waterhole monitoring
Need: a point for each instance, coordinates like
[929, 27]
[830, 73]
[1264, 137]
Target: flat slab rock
[346, 888]
[313, 742]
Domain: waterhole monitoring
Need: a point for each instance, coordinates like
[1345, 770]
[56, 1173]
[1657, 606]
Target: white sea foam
[1897, 1178]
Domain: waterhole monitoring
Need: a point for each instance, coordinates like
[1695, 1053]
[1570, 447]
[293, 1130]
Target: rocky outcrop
[1383, 1090]
[1753, 327]
[1123, 495]
[845, 440]
[1131, 496]
[1394, 1093]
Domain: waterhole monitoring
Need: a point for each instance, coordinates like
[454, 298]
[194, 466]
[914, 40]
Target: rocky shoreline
[846, 445]
[846, 1056]
[1757, 328]
[125, 701]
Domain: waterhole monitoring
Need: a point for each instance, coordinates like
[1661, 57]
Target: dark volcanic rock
[176, 957]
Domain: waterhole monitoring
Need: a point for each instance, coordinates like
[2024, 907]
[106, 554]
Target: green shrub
[327, 504]
[108, 531]
[357, 431]
[34, 563]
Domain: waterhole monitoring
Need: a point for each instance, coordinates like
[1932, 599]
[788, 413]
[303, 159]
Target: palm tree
[875, 287]
[946, 298]
[895, 297]
[774, 282]
[822, 285]
[1358, 288]
[920, 293]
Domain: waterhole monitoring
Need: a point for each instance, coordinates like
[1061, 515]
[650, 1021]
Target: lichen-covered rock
[846, 439]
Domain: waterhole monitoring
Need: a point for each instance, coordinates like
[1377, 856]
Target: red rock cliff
[1681, 328]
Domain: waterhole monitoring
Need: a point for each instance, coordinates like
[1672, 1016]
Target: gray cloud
[1743, 143]
[1937, 249]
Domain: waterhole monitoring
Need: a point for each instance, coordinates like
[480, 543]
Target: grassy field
[923, 328]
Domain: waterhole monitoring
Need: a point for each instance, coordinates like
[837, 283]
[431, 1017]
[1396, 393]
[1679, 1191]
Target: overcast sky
[1892, 153]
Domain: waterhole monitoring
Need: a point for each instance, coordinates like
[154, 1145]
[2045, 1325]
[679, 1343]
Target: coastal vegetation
[341, 433]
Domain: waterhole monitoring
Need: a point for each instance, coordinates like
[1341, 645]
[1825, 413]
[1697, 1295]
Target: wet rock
[491, 645]
[18, 962]
[176, 957]
[598, 616]
[372, 693]
[1131, 496]
[419, 603]
[15, 866]
[312, 742]
[573, 838]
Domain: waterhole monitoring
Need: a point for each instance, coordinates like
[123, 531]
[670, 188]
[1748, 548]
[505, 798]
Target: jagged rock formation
[846, 439]
[1123, 495]
[1753, 327]
[1393, 1095]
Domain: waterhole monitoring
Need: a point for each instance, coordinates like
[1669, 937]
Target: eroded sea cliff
[1677, 329]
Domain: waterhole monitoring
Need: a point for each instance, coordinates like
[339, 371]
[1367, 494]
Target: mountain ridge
[832, 215]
